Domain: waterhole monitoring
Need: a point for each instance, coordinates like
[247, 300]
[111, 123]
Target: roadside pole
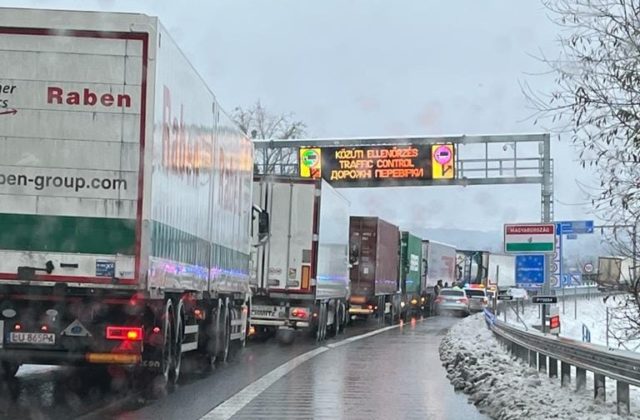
[545, 289]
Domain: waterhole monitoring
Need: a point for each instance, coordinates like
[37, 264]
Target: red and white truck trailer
[125, 209]
[300, 273]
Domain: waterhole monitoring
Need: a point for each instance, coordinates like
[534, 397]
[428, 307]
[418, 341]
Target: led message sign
[370, 166]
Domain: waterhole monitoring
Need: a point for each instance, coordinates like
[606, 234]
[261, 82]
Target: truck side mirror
[263, 225]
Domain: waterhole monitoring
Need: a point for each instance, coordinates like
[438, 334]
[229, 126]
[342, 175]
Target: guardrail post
[599, 387]
[581, 378]
[524, 354]
[553, 368]
[622, 397]
[533, 359]
[542, 362]
[565, 374]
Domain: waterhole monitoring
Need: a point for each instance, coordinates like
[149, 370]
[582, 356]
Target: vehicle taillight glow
[17, 327]
[155, 330]
[414, 301]
[124, 333]
[198, 314]
[299, 313]
[44, 328]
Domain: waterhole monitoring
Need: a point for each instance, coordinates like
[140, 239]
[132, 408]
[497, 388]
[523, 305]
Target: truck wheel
[154, 384]
[178, 329]
[321, 328]
[224, 335]
[335, 329]
[9, 370]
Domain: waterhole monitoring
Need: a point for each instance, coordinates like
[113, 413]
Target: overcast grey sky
[373, 68]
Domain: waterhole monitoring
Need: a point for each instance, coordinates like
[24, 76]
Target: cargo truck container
[439, 263]
[375, 268]
[472, 267]
[410, 275]
[615, 273]
[300, 274]
[126, 199]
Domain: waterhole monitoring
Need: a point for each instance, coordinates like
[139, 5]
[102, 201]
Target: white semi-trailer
[300, 273]
[125, 198]
[439, 264]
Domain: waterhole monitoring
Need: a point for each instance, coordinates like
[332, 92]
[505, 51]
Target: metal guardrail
[536, 348]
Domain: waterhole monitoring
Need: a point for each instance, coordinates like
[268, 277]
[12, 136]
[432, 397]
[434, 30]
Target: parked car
[478, 299]
[452, 300]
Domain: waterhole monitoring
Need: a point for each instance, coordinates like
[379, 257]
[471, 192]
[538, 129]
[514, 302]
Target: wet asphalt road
[394, 375]
[344, 382]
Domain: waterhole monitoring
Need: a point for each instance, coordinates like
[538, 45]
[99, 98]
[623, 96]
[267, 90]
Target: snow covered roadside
[504, 387]
[590, 312]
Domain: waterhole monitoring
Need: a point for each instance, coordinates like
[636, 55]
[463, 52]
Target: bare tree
[596, 102]
[258, 123]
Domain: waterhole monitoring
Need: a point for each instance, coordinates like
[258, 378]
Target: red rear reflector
[44, 328]
[17, 327]
[124, 333]
[155, 330]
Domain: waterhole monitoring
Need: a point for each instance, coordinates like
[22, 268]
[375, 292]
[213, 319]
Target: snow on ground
[592, 313]
[504, 387]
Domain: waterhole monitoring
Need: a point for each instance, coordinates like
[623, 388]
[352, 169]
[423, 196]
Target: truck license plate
[32, 338]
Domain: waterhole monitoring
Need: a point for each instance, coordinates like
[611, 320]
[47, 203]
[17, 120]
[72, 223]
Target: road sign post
[533, 238]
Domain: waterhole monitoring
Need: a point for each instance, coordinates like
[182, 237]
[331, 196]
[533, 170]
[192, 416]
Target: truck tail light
[299, 313]
[124, 333]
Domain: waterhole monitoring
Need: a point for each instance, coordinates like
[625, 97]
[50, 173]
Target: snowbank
[504, 387]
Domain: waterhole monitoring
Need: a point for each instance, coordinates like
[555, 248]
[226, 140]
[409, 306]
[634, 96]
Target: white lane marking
[238, 401]
[234, 404]
[361, 336]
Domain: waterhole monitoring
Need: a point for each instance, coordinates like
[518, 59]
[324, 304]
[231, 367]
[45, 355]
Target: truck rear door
[284, 263]
[72, 133]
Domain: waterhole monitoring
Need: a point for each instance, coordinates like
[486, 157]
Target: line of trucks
[133, 231]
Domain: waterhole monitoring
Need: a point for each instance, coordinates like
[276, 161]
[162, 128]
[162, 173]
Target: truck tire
[9, 370]
[176, 363]
[224, 335]
[155, 384]
[339, 318]
[321, 328]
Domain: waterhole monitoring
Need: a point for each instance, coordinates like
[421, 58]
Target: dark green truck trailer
[410, 275]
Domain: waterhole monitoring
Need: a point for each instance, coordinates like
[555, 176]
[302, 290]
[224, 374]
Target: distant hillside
[466, 239]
